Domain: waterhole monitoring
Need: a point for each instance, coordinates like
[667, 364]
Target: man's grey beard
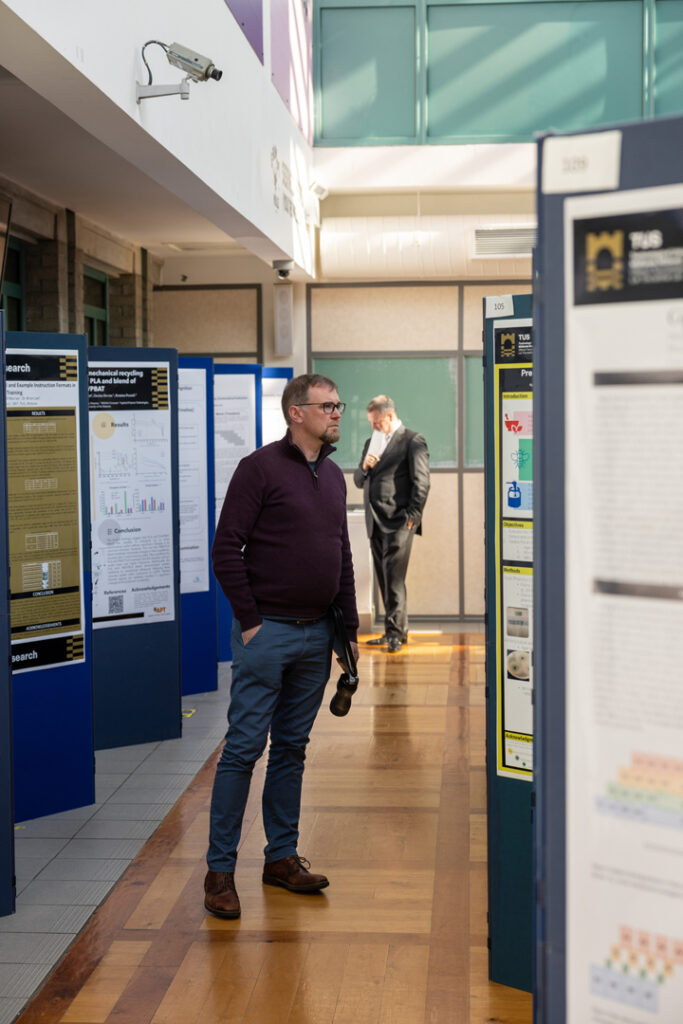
[331, 435]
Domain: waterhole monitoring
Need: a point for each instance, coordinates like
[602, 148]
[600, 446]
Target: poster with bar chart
[131, 493]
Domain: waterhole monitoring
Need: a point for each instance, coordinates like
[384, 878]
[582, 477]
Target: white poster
[193, 491]
[44, 504]
[273, 424]
[131, 493]
[234, 416]
[624, 606]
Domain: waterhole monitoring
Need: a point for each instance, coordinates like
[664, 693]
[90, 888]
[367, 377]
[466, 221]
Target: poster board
[508, 403]
[199, 658]
[49, 526]
[610, 373]
[133, 452]
[237, 432]
[7, 884]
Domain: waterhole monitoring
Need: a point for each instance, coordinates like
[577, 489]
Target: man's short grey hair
[381, 403]
[296, 392]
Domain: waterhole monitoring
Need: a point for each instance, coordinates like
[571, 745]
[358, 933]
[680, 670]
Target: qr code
[116, 604]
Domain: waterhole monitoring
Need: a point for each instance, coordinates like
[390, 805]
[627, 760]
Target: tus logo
[604, 261]
[507, 346]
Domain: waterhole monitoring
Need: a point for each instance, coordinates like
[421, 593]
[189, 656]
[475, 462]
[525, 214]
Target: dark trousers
[278, 681]
[391, 554]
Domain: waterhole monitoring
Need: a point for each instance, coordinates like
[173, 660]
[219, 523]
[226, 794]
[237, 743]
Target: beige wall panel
[433, 571]
[404, 319]
[474, 553]
[473, 321]
[214, 320]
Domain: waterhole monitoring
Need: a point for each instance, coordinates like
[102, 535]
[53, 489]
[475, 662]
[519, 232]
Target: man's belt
[295, 622]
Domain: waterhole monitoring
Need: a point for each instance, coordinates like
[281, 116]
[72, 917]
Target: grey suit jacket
[395, 490]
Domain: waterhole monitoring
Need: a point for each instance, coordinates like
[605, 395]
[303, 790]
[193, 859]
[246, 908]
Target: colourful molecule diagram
[648, 790]
[637, 967]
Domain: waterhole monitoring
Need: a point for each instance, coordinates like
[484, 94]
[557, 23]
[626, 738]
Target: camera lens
[215, 74]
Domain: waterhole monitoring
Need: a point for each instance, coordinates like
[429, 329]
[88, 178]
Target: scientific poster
[514, 542]
[192, 455]
[44, 498]
[624, 606]
[131, 493]
[234, 414]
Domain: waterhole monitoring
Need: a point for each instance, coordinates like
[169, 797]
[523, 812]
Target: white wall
[225, 152]
[199, 270]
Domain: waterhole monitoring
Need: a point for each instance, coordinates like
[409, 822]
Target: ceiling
[46, 153]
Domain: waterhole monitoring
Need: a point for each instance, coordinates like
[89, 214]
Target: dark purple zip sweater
[282, 545]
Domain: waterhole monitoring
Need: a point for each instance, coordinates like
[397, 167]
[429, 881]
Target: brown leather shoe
[221, 896]
[292, 873]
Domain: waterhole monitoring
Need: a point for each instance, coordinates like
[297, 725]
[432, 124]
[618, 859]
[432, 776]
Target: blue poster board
[7, 886]
[507, 390]
[133, 404]
[237, 432]
[199, 656]
[607, 317]
[52, 703]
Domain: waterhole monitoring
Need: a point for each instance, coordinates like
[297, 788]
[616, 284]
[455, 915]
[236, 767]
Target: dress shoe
[220, 895]
[292, 873]
[394, 645]
[377, 641]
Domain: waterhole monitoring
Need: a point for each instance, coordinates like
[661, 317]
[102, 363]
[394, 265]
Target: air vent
[499, 242]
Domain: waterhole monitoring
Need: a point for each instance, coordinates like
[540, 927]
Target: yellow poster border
[501, 767]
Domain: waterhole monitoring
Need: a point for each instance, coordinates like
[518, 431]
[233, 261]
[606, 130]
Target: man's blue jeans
[278, 681]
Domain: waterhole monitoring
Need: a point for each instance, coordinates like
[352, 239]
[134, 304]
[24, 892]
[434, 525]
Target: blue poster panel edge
[509, 800]
[7, 882]
[198, 627]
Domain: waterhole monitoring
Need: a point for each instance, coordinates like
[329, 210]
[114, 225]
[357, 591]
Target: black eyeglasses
[327, 407]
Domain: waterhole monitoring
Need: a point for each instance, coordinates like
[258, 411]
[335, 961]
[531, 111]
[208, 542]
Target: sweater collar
[288, 445]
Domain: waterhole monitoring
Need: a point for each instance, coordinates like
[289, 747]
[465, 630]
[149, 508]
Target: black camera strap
[342, 636]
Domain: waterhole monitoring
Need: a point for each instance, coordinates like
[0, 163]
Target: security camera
[199, 68]
[196, 68]
[283, 268]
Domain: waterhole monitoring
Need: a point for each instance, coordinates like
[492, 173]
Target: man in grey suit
[394, 476]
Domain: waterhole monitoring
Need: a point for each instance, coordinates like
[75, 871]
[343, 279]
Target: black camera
[347, 685]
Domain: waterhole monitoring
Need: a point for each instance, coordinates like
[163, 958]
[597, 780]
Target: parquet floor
[394, 812]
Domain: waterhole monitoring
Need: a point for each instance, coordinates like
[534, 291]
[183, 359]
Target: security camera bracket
[146, 92]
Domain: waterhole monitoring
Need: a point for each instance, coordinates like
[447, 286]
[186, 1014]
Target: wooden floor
[394, 813]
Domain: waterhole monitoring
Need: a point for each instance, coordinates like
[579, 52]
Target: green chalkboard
[423, 390]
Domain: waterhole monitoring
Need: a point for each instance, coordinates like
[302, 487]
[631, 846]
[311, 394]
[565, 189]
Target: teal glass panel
[505, 71]
[367, 72]
[423, 390]
[668, 57]
[474, 411]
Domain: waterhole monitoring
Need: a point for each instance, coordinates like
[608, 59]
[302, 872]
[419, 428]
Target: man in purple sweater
[282, 556]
